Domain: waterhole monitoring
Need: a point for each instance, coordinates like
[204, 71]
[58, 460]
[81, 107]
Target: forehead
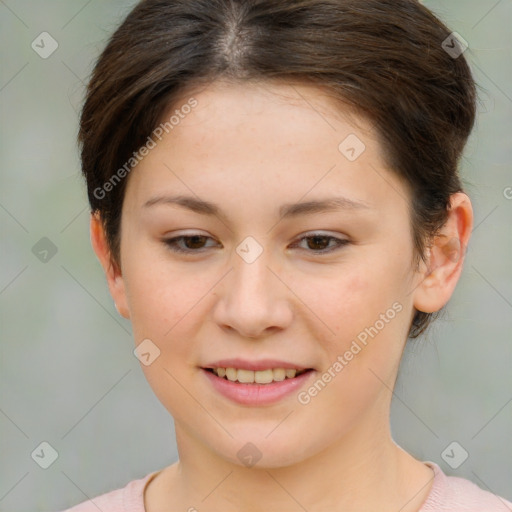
[269, 139]
[242, 103]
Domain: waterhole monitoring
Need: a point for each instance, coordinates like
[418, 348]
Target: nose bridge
[252, 297]
[252, 283]
[251, 275]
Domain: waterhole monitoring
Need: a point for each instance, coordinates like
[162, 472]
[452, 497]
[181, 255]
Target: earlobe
[112, 271]
[445, 257]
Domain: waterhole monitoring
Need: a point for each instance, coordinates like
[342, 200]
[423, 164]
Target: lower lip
[257, 394]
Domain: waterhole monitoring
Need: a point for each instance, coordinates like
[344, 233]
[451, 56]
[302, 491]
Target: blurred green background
[68, 375]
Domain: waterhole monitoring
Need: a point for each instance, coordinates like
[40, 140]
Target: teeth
[279, 374]
[246, 376]
[260, 376]
[263, 376]
[231, 374]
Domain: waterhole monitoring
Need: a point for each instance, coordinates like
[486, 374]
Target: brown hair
[383, 58]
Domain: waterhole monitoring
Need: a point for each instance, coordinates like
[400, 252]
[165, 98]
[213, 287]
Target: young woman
[276, 205]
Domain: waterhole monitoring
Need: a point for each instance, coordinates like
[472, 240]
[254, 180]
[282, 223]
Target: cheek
[362, 357]
[349, 299]
[161, 296]
[363, 318]
[164, 308]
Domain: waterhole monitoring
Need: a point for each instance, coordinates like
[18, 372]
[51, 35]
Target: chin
[254, 449]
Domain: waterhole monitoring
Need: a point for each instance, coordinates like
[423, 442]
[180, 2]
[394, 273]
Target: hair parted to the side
[382, 58]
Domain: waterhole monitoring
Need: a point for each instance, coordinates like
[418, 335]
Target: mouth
[265, 376]
[255, 388]
[254, 383]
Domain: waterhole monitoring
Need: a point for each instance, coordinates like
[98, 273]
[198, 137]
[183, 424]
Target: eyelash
[172, 243]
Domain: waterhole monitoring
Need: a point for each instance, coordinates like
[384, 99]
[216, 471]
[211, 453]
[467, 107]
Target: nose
[253, 300]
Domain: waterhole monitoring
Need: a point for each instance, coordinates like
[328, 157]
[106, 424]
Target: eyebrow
[285, 211]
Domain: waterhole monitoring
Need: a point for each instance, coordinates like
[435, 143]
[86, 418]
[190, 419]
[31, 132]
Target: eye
[193, 243]
[316, 242]
[319, 243]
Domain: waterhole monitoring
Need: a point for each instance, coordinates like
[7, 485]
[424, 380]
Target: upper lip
[261, 364]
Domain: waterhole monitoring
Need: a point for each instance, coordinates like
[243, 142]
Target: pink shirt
[448, 494]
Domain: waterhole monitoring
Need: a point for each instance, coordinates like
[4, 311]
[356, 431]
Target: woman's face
[252, 292]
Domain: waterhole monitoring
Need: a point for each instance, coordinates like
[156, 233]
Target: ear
[112, 270]
[445, 257]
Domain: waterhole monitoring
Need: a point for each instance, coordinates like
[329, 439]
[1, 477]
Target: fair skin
[250, 149]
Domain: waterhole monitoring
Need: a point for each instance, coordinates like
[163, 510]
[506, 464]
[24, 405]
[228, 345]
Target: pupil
[316, 238]
[193, 240]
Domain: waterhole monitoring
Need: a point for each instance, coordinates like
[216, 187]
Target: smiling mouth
[267, 376]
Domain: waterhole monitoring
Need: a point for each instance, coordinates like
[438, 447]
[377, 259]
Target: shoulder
[126, 499]
[450, 493]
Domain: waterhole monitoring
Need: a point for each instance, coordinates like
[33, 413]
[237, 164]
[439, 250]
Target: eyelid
[171, 242]
[320, 232]
[340, 242]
